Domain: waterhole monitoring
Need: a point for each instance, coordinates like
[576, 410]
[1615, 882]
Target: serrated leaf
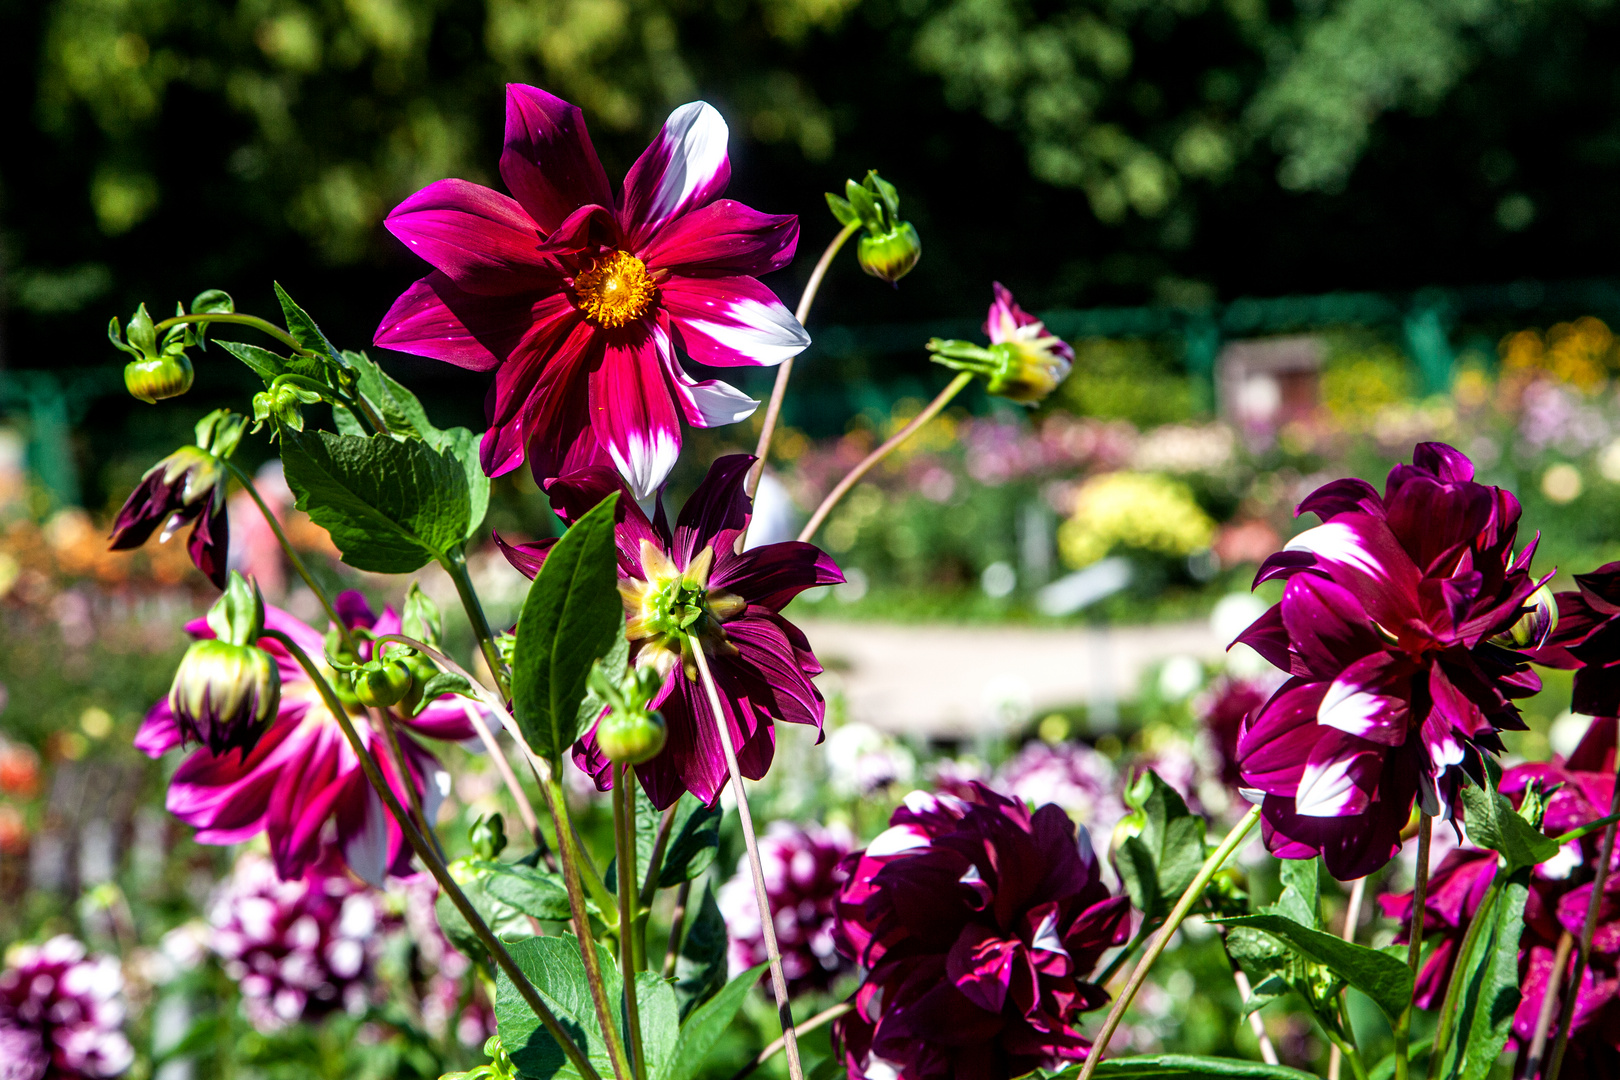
[700, 969]
[506, 921]
[705, 1024]
[1158, 864]
[528, 889]
[462, 445]
[570, 618]
[346, 423]
[1301, 899]
[1174, 1065]
[1494, 824]
[1382, 977]
[391, 506]
[660, 1017]
[555, 967]
[262, 362]
[1490, 986]
[303, 329]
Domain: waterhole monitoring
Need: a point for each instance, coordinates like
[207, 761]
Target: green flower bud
[631, 736]
[1129, 827]
[382, 684]
[154, 378]
[890, 255]
[488, 836]
[224, 694]
[422, 669]
[1535, 626]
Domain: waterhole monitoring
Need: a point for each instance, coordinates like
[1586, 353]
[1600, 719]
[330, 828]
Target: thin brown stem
[525, 808]
[1583, 953]
[624, 836]
[1200, 882]
[455, 564]
[496, 948]
[1549, 1007]
[1352, 916]
[677, 923]
[570, 855]
[383, 722]
[784, 371]
[821, 1019]
[929, 412]
[1414, 949]
[767, 923]
[1257, 1024]
[655, 862]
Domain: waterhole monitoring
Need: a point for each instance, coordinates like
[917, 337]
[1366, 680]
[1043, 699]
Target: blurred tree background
[1085, 152]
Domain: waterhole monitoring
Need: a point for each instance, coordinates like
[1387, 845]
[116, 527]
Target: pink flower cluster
[61, 1017]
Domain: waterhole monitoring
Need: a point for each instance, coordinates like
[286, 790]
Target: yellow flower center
[670, 609]
[615, 290]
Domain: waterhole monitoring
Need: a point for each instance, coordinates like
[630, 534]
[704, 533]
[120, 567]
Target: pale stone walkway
[956, 681]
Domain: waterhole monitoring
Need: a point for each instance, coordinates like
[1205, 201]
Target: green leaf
[704, 1026]
[570, 618]
[1174, 1065]
[462, 445]
[700, 969]
[303, 329]
[1158, 864]
[1380, 976]
[527, 889]
[694, 841]
[505, 920]
[1490, 987]
[1301, 896]
[263, 363]
[554, 966]
[391, 506]
[1494, 824]
[841, 210]
[864, 205]
[660, 1021]
[445, 682]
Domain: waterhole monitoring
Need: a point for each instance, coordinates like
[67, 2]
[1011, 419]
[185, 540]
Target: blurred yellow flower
[1145, 511]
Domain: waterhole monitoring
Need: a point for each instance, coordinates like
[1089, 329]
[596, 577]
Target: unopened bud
[1027, 371]
[152, 379]
[889, 247]
[382, 684]
[1535, 626]
[631, 736]
[892, 254]
[224, 694]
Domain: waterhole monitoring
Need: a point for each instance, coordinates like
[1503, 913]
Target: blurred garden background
[1287, 240]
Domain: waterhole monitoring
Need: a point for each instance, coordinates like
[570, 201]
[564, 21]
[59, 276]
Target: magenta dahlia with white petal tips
[803, 876]
[61, 1016]
[579, 298]
[298, 950]
[1392, 627]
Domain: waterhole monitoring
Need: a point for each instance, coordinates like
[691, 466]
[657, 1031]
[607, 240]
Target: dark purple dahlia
[187, 486]
[691, 583]
[299, 949]
[977, 922]
[61, 1017]
[1587, 639]
[1397, 688]
[803, 876]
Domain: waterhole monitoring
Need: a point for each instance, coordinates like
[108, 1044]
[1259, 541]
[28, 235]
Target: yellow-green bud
[890, 255]
[154, 378]
[382, 685]
[631, 736]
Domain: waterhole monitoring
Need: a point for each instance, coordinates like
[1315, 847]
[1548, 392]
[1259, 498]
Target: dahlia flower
[802, 878]
[1223, 711]
[1074, 776]
[1024, 362]
[578, 300]
[1587, 638]
[187, 487]
[1396, 687]
[299, 949]
[60, 1014]
[977, 923]
[691, 583]
[301, 784]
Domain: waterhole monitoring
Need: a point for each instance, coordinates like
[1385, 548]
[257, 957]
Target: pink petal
[1359, 552]
[685, 167]
[1371, 699]
[536, 405]
[480, 239]
[711, 403]
[159, 733]
[772, 575]
[549, 163]
[632, 413]
[732, 321]
[724, 239]
[1272, 752]
[716, 511]
[438, 319]
[1340, 776]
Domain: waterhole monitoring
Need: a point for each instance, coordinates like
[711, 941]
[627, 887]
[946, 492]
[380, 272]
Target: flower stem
[767, 922]
[497, 950]
[261, 325]
[677, 923]
[1414, 949]
[821, 1019]
[649, 889]
[1352, 916]
[932, 410]
[1120, 958]
[1211, 867]
[455, 564]
[382, 721]
[570, 857]
[292, 556]
[1549, 1006]
[1459, 973]
[525, 808]
[784, 371]
[1350, 1054]
[1584, 952]
[1257, 1023]
[624, 838]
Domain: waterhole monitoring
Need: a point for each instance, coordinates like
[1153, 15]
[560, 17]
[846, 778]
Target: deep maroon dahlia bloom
[188, 486]
[578, 299]
[977, 922]
[61, 1017]
[1587, 639]
[803, 877]
[1223, 711]
[1396, 687]
[301, 784]
[298, 950]
[762, 663]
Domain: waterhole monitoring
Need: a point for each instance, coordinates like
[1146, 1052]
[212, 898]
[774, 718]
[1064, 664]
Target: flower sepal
[1536, 626]
[889, 248]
